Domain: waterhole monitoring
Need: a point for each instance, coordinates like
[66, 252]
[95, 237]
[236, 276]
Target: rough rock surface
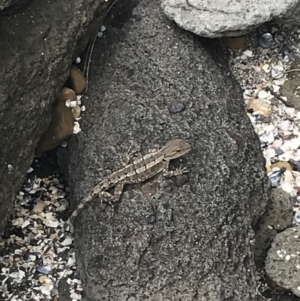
[164, 242]
[217, 18]
[291, 87]
[283, 260]
[9, 6]
[37, 45]
[278, 217]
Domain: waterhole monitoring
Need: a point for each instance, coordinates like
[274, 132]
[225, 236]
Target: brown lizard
[138, 171]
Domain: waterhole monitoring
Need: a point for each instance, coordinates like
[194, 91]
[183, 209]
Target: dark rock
[290, 87]
[38, 44]
[283, 260]
[199, 247]
[277, 218]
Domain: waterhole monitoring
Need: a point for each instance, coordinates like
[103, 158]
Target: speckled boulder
[277, 218]
[217, 18]
[283, 260]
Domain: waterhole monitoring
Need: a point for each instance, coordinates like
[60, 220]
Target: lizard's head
[176, 148]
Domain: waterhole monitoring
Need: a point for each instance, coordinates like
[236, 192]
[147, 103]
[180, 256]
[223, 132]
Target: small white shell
[76, 128]
[30, 170]
[262, 94]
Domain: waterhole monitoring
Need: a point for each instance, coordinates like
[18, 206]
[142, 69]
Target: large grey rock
[217, 18]
[164, 242]
[37, 47]
[283, 260]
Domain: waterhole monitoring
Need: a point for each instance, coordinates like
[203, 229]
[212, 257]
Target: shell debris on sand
[262, 75]
[23, 269]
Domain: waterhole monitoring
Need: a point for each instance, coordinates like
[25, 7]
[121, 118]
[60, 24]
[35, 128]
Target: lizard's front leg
[174, 173]
[117, 193]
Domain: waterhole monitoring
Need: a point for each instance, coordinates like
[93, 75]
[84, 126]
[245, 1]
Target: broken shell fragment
[76, 128]
[277, 72]
[260, 106]
[44, 269]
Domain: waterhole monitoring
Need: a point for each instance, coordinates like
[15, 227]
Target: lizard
[138, 171]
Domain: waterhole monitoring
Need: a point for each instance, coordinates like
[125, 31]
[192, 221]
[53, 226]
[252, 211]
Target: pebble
[265, 40]
[64, 143]
[176, 106]
[278, 151]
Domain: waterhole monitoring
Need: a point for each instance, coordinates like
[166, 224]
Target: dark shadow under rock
[198, 244]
